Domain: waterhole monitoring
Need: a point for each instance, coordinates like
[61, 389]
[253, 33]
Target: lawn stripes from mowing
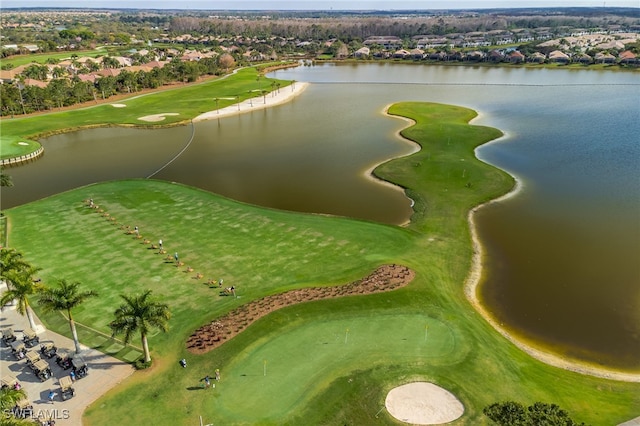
[135, 232]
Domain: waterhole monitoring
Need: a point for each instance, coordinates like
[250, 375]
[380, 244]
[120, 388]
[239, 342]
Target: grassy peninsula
[322, 362]
[19, 134]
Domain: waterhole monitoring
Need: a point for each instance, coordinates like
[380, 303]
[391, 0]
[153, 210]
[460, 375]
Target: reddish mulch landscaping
[214, 334]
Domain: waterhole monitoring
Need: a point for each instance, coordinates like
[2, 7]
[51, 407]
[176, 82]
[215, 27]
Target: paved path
[105, 372]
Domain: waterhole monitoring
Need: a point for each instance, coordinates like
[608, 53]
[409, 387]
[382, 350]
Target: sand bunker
[118, 105]
[423, 403]
[157, 117]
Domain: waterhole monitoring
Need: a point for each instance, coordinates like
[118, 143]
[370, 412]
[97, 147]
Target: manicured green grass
[317, 372]
[41, 58]
[193, 100]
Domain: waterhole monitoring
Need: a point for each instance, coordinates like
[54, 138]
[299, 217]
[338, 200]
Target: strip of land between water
[475, 275]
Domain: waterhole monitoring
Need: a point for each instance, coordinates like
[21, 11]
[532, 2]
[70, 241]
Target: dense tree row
[66, 90]
[122, 27]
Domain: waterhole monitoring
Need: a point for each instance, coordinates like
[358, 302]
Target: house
[363, 52]
[7, 76]
[109, 72]
[31, 47]
[156, 64]
[628, 57]
[401, 54]
[515, 57]
[416, 53]
[559, 57]
[91, 78]
[537, 58]
[475, 56]
[388, 42]
[33, 82]
[495, 56]
[583, 58]
[604, 58]
[454, 55]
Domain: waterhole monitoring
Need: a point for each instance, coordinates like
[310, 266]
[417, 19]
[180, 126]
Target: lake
[562, 255]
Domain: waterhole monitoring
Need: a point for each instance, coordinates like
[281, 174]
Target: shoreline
[274, 98]
[472, 283]
[475, 274]
[413, 146]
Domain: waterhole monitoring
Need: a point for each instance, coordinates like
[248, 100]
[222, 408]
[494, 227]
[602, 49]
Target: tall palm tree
[20, 286]
[140, 313]
[64, 298]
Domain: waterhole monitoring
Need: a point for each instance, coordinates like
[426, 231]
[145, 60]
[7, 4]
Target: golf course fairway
[329, 361]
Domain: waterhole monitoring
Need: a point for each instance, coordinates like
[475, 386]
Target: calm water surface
[562, 256]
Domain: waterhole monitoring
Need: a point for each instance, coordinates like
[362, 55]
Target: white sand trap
[423, 403]
[118, 105]
[157, 117]
[22, 143]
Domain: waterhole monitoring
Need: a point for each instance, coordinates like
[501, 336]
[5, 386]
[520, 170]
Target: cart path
[105, 372]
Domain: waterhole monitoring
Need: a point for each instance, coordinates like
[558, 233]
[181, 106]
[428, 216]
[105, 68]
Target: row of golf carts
[66, 359]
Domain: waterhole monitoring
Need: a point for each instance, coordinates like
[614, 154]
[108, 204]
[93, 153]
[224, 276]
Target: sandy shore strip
[475, 274]
[471, 288]
[276, 97]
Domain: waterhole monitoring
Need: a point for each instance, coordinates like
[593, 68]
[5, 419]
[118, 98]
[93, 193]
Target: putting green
[280, 371]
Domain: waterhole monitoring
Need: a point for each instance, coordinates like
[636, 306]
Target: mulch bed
[214, 334]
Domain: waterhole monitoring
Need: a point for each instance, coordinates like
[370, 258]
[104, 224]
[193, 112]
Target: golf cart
[48, 349]
[10, 382]
[30, 337]
[66, 388]
[79, 367]
[7, 336]
[42, 370]
[63, 359]
[18, 350]
[32, 358]
[23, 409]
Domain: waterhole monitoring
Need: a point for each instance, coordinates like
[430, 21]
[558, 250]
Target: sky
[315, 4]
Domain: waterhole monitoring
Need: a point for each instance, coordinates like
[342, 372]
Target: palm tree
[140, 313]
[20, 286]
[9, 397]
[64, 298]
[11, 260]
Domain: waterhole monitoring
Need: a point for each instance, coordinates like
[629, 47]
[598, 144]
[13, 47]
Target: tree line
[66, 90]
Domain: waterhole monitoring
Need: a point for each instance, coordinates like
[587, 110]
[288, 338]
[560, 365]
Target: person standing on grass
[207, 381]
[175, 256]
[217, 374]
[160, 244]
